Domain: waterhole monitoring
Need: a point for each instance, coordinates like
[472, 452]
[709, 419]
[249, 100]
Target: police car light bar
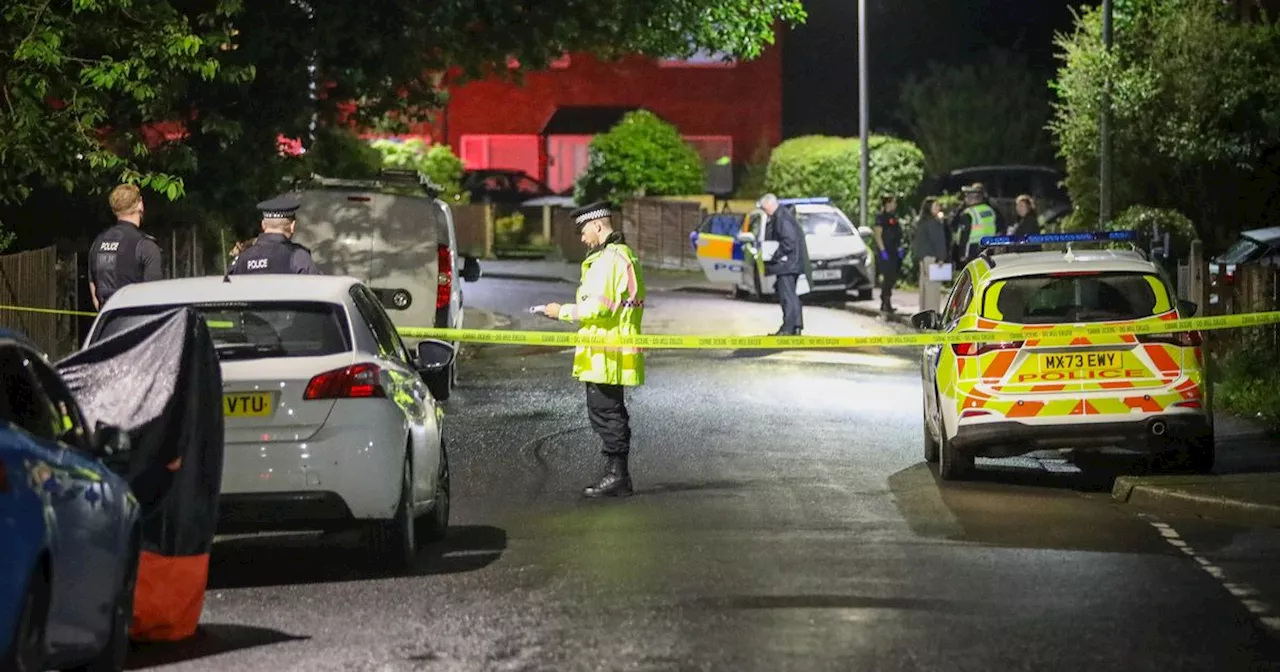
[1050, 238]
[811, 200]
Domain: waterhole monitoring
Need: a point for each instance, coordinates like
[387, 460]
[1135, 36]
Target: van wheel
[26, 653]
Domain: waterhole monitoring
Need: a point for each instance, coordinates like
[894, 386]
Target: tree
[1195, 113]
[992, 112]
[437, 162]
[641, 155]
[88, 76]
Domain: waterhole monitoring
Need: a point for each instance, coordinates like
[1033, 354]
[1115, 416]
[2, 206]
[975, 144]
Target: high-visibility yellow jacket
[610, 301]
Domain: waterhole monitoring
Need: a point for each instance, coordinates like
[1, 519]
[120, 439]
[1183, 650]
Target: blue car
[71, 526]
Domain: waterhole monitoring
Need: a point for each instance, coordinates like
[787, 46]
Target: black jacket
[120, 256]
[274, 253]
[793, 253]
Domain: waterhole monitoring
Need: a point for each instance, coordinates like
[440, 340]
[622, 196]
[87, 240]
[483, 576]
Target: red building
[542, 126]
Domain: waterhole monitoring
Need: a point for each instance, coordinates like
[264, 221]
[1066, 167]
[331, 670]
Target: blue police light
[809, 200]
[1050, 238]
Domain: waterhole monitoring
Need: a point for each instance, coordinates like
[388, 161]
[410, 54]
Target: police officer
[123, 254]
[610, 302]
[274, 251]
[889, 238]
[975, 221]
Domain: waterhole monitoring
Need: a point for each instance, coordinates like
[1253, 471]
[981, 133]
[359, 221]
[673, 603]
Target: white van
[398, 237]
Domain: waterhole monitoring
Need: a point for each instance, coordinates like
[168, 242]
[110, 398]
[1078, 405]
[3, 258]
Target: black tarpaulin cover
[161, 381]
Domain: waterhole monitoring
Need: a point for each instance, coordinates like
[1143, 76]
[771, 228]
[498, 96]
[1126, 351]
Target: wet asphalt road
[784, 520]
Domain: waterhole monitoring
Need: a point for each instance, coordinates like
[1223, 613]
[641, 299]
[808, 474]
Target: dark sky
[820, 70]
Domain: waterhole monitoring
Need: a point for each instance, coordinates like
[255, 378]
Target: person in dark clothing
[977, 220]
[889, 238]
[932, 239]
[1028, 222]
[123, 254]
[787, 264]
[274, 251]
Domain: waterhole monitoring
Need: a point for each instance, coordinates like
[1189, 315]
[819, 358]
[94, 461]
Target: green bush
[338, 152]
[818, 165]
[437, 162]
[1248, 382]
[509, 230]
[1146, 221]
[640, 156]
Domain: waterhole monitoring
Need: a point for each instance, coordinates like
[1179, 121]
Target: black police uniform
[274, 252]
[891, 234]
[120, 256]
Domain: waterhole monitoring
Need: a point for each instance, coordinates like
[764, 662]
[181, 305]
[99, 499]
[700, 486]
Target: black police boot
[616, 481]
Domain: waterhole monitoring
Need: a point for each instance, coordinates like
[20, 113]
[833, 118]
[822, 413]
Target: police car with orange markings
[1139, 393]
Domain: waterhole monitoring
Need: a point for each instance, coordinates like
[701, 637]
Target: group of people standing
[942, 241]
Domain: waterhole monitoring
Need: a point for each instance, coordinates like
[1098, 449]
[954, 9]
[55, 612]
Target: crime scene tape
[683, 342]
[678, 342]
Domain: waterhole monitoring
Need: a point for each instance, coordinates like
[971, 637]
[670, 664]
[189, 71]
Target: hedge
[641, 155]
[819, 165]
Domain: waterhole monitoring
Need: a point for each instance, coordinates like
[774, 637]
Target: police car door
[718, 249]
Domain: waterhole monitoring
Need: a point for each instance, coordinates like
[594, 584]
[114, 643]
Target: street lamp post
[863, 113]
[1104, 127]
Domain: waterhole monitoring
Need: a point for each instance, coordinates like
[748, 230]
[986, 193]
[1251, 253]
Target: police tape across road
[678, 342]
[681, 342]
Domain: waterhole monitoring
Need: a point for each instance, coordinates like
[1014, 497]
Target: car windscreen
[1055, 298]
[255, 330]
[828, 223]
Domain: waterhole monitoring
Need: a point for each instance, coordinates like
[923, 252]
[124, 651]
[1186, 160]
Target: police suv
[1027, 392]
[732, 249]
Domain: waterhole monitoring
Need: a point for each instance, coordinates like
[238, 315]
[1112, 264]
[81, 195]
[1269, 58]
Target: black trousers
[607, 409]
[792, 318]
[889, 269]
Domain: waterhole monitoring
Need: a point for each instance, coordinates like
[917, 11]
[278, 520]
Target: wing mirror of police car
[747, 237]
[434, 356]
[1187, 309]
[470, 269]
[929, 319]
[865, 231]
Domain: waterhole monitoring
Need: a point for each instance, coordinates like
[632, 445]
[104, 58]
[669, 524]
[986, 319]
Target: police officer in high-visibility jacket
[123, 254]
[610, 302]
[975, 221]
[274, 251]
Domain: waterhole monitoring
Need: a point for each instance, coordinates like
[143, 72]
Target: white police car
[730, 250]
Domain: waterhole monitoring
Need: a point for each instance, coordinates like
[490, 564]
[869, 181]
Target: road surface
[784, 520]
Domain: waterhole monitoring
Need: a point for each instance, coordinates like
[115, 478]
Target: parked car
[71, 525]
[330, 422]
[399, 238]
[506, 187]
[1255, 246]
[730, 250]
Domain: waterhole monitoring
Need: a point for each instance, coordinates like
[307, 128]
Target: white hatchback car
[329, 424]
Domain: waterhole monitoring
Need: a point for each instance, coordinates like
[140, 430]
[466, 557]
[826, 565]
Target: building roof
[584, 119]
[247, 288]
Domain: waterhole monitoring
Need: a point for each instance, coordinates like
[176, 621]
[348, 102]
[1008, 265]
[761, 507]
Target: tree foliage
[640, 156]
[985, 113]
[1195, 98]
[437, 162]
[818, 165]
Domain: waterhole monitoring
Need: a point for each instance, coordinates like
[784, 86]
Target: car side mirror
[747, 237]
[470, 269]
[111, 442]
[433, 357]
[865, 231]
[929, 319]
[1187, 309]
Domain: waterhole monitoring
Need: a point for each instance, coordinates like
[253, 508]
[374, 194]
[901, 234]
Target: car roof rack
[388, 177]
[990, 244]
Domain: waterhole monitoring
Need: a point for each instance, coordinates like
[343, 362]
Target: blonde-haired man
[123, 254]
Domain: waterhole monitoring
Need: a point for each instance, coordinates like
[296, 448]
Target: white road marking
[1241, 591]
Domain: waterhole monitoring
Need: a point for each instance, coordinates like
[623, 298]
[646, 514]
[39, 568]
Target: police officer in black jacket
[123, 254]
[273, 251]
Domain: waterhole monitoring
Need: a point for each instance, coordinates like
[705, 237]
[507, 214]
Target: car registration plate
[827, 274]
[246, 405]
[1080, 361]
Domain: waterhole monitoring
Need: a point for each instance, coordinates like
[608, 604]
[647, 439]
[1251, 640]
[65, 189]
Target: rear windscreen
[255, 330]
[1095, 297]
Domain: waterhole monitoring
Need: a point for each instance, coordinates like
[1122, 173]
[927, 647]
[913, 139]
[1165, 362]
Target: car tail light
[972, 349]
[444, 277]
[359, 381]
[1185, 339]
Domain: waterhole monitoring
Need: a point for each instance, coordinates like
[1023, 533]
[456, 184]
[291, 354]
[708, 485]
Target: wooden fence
[30, 279]
[658, 231]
